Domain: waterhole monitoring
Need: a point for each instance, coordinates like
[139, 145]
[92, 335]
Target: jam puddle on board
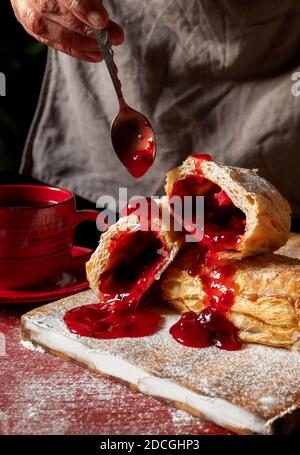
[135, 262]
[102, 322]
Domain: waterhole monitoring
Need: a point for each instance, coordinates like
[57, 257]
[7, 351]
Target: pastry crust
[102, 257]
[292, 247]
[267, 212]
[266, 305]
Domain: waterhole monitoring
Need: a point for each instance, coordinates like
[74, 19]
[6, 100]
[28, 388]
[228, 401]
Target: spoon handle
[105, 47]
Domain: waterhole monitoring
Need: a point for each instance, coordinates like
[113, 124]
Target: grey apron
[213, 77]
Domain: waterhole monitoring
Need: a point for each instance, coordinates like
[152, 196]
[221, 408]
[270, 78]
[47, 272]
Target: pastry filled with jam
[229, 223]
[126, 263]
[244, 217]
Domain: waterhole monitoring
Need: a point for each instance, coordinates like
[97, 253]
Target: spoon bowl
[133, 140]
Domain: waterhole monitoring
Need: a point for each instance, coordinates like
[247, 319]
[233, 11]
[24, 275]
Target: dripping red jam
[135, 261]
[134, 142]
[224, 226]
[145, 209]
[211, 326]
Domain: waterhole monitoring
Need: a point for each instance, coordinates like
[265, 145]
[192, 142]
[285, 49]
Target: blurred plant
[22, 60]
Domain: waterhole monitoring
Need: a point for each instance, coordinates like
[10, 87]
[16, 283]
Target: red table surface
[41, 394]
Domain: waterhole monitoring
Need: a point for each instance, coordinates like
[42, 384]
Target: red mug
[37, 226]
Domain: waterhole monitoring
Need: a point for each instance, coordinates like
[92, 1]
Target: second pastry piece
[243, 211]
[264, 294]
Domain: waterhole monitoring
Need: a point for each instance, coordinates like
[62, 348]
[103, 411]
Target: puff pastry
[267, 213]
[292, 247]
[266, 307]
[256, 293]
[128, 254]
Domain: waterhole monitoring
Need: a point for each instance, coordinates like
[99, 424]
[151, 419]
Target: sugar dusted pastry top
[267, 212]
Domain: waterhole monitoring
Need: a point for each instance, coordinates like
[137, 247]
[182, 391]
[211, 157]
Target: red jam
[102, 322]
[189, 185]
[142, 158]
[135, 261]
[199, 158]
[144, 208]
[134, 142]
[224, 225]
[207, 329]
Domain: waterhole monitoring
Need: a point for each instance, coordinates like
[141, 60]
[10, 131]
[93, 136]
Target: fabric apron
[213, 77]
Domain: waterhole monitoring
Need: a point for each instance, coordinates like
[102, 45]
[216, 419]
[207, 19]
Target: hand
[66, 25]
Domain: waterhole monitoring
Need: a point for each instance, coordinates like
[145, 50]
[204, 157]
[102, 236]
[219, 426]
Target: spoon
[132, 135]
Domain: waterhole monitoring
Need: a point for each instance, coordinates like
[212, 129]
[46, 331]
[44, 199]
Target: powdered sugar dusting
[242, 377]
[33, 347]
[44, 395]
[180, 417]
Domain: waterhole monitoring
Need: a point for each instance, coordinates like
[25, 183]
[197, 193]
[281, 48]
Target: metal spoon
[131, 133]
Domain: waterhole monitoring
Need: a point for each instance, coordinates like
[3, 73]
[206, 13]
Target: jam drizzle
[223, 230]
[211, 326]
[121, 286]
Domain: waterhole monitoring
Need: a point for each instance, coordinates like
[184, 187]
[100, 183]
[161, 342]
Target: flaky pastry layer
[266, 305]
[267, 212]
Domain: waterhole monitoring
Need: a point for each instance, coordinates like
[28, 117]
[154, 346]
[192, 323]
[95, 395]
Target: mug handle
[79, 217]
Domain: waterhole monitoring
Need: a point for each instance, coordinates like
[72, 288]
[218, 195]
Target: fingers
[53, 24]
[91, 12]
[39, 25]
[58, 13]
[92, 57]
[61, 15]
[116, 34]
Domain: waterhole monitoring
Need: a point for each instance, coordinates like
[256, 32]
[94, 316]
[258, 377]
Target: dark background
[22, 60]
